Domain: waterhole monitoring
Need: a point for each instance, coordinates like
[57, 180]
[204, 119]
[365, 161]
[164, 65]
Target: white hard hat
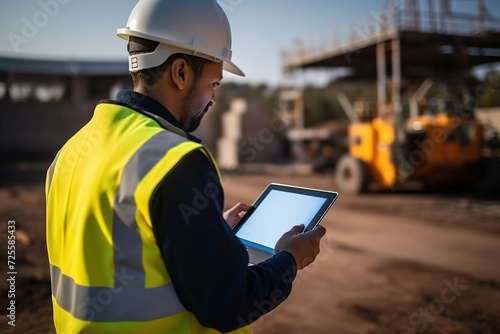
[195, 27]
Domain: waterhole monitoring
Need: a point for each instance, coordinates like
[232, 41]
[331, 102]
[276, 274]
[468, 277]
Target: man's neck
[162, 97]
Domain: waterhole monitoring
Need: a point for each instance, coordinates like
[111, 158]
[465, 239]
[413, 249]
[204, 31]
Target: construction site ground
[403, 262]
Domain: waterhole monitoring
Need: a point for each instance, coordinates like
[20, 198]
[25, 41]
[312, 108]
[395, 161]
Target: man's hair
[151, 77]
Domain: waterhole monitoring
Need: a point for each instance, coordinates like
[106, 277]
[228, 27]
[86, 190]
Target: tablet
[279, 208]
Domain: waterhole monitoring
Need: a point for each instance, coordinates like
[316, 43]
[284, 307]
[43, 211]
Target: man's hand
[303, 246]
[233, 215]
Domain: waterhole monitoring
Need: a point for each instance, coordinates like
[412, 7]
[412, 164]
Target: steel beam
[381, 80]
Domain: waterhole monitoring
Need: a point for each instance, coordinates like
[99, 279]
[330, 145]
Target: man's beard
[191, 112]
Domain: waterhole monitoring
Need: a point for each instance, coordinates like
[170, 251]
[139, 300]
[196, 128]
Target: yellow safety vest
[107, 271]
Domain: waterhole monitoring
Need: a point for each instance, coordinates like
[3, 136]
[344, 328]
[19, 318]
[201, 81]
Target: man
[136, 236]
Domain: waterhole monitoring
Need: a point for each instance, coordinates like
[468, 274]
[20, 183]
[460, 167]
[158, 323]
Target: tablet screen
[277, 214]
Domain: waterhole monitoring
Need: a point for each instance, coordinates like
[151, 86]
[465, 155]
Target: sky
[261, 29]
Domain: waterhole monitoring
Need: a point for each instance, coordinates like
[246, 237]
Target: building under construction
[419, 55]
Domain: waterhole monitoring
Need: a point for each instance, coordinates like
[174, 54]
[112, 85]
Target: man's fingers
[244, 207]
[314, 236]
[319, 231]
[237, 209]
[297, 229]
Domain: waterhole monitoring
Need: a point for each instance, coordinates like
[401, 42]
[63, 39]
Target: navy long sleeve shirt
[207, 263]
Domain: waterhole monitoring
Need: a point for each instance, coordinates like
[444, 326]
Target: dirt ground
[404, 262]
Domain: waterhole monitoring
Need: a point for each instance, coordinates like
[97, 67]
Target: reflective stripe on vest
[128, 300]
[113, 304]
[50, 174]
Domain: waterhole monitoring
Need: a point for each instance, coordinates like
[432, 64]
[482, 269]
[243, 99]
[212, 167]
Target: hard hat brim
[232, 68]
[228, 65]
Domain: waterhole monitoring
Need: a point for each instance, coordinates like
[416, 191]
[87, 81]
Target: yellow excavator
[437, 143]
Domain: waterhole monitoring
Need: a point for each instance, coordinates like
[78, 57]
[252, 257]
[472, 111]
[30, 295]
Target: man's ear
[179, 73]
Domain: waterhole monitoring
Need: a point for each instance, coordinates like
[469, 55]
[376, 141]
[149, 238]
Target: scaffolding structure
[402, 44]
